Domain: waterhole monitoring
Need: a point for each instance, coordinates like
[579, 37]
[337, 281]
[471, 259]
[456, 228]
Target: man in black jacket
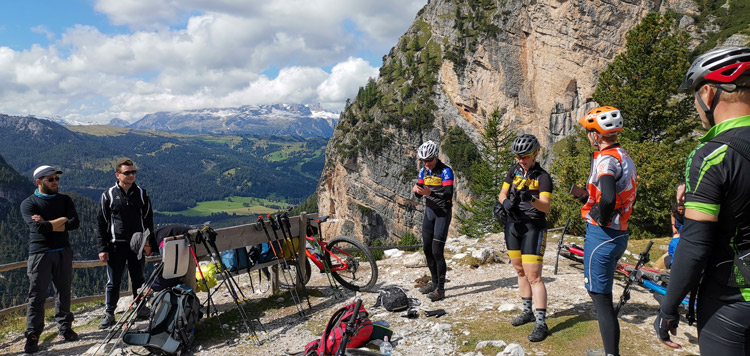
[124, 211]
[50, 216]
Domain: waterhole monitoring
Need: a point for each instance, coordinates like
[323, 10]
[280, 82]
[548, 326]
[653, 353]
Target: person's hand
[525, 195]
[103, 256]
[37, 218]
[664, 325]
[507, 205]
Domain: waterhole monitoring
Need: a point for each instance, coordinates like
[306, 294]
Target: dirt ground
[476, 297]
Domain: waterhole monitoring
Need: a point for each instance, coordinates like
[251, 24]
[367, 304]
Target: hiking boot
[143, 313]
[429, 287]
[436, 295]
[523, 318]
[68, 335]
[539, 333]
[107, 321]
[32, 344]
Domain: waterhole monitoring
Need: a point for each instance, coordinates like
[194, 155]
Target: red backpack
[329, 342]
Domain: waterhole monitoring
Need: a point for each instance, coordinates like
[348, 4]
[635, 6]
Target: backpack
[330, 341]
[175, 312]
[393, 299]
[235, 260]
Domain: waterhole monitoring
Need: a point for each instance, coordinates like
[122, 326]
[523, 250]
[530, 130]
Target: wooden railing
[227, 239]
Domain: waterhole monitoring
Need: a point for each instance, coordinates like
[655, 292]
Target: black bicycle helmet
[524, 145]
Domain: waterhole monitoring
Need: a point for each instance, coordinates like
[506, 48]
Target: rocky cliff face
[537, 65]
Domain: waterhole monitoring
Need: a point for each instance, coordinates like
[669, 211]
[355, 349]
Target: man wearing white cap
[49, 216]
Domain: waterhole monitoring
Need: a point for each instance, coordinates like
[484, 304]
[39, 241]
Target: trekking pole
[209, 300]
[635, 275]
[125, 321]
[209, 241]
[284, 223]
[560, 244]
[285, 267]
[349, 331]
[276, 225]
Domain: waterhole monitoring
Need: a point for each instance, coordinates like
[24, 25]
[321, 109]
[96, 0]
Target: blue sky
[95, 60]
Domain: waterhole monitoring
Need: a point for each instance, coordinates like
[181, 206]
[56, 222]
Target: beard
[48, 190]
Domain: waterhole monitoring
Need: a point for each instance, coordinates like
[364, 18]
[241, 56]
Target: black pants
[434, 234]
[118, 258]
[723, 329]
[43, 268]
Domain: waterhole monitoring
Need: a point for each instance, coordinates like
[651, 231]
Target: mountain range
[278, 119]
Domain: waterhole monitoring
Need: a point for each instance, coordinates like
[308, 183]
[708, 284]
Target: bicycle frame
[337, 265]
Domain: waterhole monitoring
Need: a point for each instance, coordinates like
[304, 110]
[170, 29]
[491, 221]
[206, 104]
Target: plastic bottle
[386, 348]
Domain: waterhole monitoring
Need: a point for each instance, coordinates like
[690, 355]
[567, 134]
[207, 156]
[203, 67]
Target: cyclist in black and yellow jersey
[715, 238]
[525, 196]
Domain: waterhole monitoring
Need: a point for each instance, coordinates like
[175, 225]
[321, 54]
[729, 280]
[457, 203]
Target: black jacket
[122, 214]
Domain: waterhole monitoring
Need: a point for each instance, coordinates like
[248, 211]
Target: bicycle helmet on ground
[524, 145]
[604, 120]
[427, 150]
[725, 67]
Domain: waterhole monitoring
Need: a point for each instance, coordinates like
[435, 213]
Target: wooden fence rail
[226, 239]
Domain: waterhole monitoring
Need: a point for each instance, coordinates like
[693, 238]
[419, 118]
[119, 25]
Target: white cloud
[344, 81]
[43, 30]
[192, 54]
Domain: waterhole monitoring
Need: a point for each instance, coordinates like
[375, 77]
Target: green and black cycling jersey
[717, 184]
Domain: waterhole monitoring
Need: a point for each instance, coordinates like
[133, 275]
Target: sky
[95, 60]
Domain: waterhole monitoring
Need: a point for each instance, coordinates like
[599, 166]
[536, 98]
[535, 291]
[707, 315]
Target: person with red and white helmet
[715, 238]
[611, 189]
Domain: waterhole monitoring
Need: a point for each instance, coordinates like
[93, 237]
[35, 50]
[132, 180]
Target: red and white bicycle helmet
[604, 120]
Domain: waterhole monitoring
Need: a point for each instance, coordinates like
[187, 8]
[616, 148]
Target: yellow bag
[289, 248]
[209, 273]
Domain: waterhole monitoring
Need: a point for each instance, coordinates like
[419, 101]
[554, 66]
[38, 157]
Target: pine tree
[488, 173]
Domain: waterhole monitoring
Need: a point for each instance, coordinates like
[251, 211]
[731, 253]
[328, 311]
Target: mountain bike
[348, 260]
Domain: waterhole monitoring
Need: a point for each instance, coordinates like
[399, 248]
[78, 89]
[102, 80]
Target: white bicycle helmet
[427, 150]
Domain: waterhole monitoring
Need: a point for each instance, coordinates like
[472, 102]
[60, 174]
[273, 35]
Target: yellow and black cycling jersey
[536, 180]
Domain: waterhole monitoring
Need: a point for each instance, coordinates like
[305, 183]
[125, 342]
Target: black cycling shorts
[724, 328]
[526, 240]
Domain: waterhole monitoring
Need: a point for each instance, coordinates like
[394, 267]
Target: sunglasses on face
[428, 160]
[523, 157]
[51, 179]
[127, 173]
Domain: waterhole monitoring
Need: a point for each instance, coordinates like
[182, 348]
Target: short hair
[739, 95]
[125, 162]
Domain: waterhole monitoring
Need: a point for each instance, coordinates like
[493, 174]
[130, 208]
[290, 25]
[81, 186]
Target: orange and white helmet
[604, 120]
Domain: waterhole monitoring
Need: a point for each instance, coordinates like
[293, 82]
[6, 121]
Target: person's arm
[674, 227]
[33, 219]
[543, 202]
[607, 200]
[72, 222]
[102, 219]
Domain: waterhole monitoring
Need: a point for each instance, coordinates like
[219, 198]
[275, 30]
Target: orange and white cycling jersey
[614, 161]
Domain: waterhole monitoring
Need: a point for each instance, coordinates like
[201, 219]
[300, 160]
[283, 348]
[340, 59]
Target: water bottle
[385, 347]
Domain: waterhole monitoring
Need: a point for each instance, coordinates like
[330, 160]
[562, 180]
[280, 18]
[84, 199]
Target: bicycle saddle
[320, 219]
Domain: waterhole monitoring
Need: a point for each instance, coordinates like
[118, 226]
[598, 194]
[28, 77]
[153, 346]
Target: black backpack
[393, 299]
[175, 312]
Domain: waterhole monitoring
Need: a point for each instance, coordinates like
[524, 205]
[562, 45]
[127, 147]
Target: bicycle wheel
[293, 269]
[351, 263]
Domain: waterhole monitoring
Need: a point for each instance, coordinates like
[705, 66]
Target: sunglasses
[127, 173]
[428, 160]
[55, 179]
[524, 157]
